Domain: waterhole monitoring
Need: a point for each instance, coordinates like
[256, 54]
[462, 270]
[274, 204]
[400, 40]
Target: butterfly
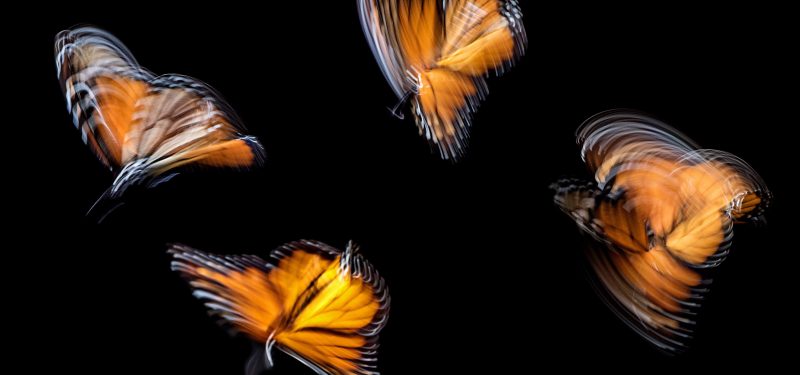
[437, 53]
[140, 125]
[316, 303]
[663, 211]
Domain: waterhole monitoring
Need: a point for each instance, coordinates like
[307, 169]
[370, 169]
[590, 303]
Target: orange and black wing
[651, 290]
[184, 121]
[102, 84]
[234, 288]
[405, 36]
[334, 323]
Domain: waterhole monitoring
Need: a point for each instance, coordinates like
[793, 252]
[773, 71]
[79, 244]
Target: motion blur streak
[662, 211]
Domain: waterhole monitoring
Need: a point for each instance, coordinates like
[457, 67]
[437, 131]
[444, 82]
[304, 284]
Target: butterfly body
[663, 211]
[140, 125]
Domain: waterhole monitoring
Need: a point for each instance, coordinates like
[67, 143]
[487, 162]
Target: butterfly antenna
[101, 202]
[102, 198]
[268, 351]
[396, 112]
[112, 209]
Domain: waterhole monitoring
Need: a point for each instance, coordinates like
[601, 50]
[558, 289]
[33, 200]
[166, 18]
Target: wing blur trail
[320, 305]
[663, 210]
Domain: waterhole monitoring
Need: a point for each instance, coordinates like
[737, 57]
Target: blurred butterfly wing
[611, 139]
[402, 34]
[299, 264]
[335, 322]
[102, 84]
[479, 35]
[746, 193]
[651, 292]
[657, 240]
[443, 106]
[644, 283]
[182, 121]
[234, 288]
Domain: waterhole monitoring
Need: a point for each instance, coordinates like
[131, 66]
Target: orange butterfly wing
[102, 84]
[235, 288]
[441, 53]
[320, 305]
[140, 125]
[342, 313]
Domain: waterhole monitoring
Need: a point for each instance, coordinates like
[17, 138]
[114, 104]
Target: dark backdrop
[484, 271]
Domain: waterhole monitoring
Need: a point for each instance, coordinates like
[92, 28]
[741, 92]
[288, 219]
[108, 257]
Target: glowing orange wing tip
[322, 306]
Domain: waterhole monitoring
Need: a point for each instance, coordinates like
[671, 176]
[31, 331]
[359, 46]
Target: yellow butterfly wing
[320, 305]
[342, 312]
[234, 288]
[102, 84]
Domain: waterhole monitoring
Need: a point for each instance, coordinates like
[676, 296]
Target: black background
[485, 273]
